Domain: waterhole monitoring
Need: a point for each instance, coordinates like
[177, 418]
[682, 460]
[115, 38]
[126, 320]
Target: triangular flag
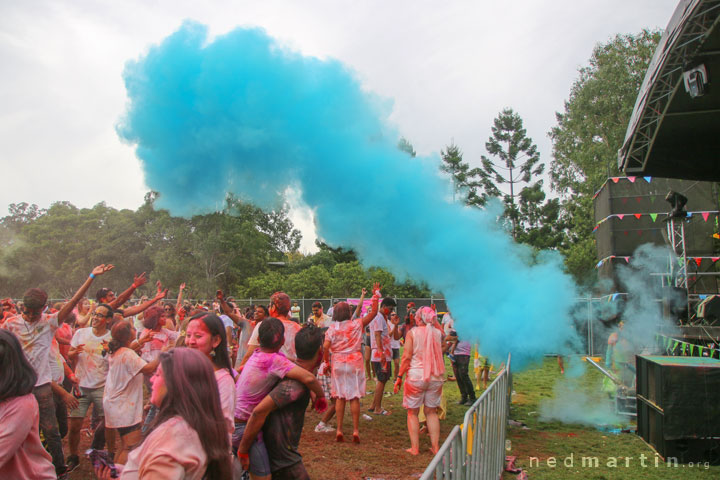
[692, 349]
[652, 199]
[712, 353]
[705, 215]
[680, 261]
[702, 296]
[638, 199]
[689, 214]
[627, 259]
[637, 215]
[648, 179]
[640, 233]
[675, 345]
[684, 345]
[666, 342]
[620, 215]
[632, 179]
[614, 179]
[599, 264]
[624, 201]
[626, 232]
[615, 295]
[700, 350]
[653, 216]
[698, 260]
[715, 259]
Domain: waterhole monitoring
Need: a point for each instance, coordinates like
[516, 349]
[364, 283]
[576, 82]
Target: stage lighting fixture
[696, 80]
[677, 201]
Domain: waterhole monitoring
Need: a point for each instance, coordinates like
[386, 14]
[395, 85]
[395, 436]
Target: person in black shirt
[281, 414]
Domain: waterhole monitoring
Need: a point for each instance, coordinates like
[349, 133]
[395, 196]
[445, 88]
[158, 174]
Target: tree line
[251, 253]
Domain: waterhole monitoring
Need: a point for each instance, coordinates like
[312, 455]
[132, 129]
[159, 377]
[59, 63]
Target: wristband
[243, 455]
[92, 275]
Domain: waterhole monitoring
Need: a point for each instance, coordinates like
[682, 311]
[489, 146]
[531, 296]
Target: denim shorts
[92, 396]
[259, 461]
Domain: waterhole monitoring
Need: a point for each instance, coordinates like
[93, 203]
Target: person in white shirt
[448, 323]
[88, 348]
[35, 330]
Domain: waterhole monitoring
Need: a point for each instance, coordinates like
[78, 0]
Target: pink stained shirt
[346, 341]
[260, 374]
[171, 451]
[21, 452]
[226, 388]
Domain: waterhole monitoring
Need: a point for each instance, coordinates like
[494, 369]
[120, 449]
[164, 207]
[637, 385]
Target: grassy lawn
[568, 443]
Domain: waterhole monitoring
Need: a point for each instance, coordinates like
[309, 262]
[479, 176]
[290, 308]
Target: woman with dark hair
[206, 333]
[188, 438]
[423, 361]
[123, 397]
[21, 453]
[347, 382]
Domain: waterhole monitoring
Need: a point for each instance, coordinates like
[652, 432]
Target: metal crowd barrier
[476, 451]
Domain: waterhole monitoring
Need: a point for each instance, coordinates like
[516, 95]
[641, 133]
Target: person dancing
[347, 382]
[422, 360]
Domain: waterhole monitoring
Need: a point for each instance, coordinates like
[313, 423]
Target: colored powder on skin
[243, 114]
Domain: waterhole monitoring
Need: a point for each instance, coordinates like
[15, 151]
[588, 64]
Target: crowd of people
[205, 390]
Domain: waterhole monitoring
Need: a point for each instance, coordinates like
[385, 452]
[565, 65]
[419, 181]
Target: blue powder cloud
[242, 114]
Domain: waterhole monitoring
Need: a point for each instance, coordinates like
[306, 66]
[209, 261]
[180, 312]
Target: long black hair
[215, 326]
[18, 376]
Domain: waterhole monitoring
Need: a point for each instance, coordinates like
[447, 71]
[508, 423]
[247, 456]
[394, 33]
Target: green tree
[406, 146]
[467, 182]
[590, 131]
[517, 156]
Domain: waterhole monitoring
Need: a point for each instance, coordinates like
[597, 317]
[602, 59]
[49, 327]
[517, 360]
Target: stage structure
[632, 211]
[673, 130]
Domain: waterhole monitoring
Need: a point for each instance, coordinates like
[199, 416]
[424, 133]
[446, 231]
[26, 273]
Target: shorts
[293, 472]
[92, 396]
[417, 393]
[125, 430]
[382, 375]
[259, 461]
[396, 353]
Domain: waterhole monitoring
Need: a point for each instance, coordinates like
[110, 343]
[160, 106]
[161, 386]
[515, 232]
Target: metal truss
[679, 272]
[684, 45]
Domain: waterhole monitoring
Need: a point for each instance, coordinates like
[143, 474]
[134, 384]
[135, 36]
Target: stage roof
[671, 134]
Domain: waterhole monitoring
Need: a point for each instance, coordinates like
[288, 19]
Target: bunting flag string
[670, 346]
[653, 216]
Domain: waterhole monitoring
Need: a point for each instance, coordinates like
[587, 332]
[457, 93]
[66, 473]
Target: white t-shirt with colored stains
[92, 366]
[35, 339]
[123, 397]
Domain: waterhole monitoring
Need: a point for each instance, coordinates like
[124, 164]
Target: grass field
[381, 453]
[568, 443]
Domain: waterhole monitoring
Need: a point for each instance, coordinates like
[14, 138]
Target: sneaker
[470, 402]
[462, 401]
[73, 462]
[322, 428]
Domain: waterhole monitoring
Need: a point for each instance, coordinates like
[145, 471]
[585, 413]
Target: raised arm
[138, 281]
[227, 309]
[178, 304]
[70, 304]
[132, 311]
[372, 313]
[358, 309]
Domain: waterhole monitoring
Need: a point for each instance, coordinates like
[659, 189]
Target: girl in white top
[186, 439]
[206, 333]
[423, 361]
[123, 396]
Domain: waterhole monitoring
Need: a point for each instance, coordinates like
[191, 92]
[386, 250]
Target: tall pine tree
[517, 162]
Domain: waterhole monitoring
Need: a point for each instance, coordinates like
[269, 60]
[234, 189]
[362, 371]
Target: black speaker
[677, 407]
[709, 310]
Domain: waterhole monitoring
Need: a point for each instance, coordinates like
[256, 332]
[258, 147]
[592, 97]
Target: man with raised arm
[107, 296]
[280, 309]
[35, 330]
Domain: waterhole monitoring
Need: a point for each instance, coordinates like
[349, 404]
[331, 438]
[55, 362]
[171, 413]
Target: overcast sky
[448, 66]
